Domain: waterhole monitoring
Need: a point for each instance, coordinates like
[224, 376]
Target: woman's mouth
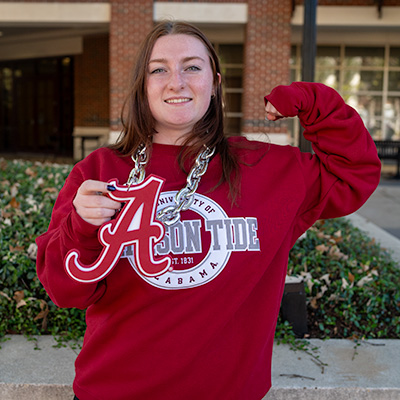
[178, 101]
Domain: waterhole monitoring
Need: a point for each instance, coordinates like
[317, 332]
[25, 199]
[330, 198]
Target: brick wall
[130, 22]
[320, 2]
[91, 82]
[58, 1]
[267, 51]
[202, 1]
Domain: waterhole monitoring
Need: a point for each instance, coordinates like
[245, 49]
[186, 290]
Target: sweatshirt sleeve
[67, 230]
[345, 169]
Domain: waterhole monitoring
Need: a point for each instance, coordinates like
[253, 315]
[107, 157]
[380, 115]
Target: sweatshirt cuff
[312, 102]
[286, 99]
[82, 232]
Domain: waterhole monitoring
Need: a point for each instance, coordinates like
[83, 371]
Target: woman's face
[179, 86]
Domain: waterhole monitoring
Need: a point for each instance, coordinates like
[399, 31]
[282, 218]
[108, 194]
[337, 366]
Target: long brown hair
[138, 122]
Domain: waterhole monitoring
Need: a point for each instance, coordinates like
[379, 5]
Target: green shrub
[351, 283]
[27, 195]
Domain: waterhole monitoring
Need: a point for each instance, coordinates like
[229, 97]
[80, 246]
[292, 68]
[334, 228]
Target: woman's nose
[176, 81]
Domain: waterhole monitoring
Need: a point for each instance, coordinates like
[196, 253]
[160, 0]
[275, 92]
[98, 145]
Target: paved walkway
[379, 217]
[383, 207]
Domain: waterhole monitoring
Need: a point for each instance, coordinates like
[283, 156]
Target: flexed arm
[345, 169]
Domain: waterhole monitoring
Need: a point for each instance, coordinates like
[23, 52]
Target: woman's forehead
[173, 45]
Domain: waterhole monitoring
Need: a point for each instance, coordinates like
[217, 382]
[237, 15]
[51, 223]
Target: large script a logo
[135, 226]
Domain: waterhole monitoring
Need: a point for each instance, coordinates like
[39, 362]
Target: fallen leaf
[351, 277]
[14, 203]
[30, 172]
[43, 314]
[313, 303]
[39, 182]
[18, 295]
[338, 240]
[19, 298]
[322, 248]
[50, 190]
[336, 254]
[14, 189]
[32, 251]
[322, 292]
[5, 295]
[326, 279]
[365, 280]
[21, 303]
[16, 248]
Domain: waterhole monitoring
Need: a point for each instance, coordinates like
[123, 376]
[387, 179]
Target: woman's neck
[175, 139]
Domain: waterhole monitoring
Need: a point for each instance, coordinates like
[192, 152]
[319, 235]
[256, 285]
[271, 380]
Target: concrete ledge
[36, 370]
[332, 369]
[31, 391]
[332, 394]
[337, 369]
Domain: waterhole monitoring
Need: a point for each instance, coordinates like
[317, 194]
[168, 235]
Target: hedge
[352, 284]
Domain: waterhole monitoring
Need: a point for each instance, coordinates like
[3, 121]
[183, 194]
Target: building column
[130, 23]
[267, 53]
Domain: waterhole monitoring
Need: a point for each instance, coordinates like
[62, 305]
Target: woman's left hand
[272, 113]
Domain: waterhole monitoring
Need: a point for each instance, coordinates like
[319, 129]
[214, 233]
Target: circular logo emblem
[199, 245]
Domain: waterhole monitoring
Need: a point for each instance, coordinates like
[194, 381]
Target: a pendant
[135, 226]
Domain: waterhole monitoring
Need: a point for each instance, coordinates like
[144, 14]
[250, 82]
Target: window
[368, 78]
[36, 106]
[231, 58]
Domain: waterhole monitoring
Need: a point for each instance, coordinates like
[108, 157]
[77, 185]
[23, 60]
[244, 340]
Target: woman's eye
[193, 68]
[157, 70]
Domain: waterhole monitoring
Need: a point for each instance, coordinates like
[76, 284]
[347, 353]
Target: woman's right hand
[92, 204]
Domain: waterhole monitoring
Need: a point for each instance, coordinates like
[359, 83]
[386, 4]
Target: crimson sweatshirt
[204, 328]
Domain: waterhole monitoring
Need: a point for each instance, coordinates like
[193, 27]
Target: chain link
[138, 172]
[185, 197]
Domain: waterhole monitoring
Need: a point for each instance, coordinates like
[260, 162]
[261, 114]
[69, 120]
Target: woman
[187, 308]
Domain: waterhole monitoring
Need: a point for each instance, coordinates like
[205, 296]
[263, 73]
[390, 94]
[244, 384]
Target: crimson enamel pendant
[135, 226]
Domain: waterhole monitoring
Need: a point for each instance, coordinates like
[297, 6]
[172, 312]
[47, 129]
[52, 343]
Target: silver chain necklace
[185, 197]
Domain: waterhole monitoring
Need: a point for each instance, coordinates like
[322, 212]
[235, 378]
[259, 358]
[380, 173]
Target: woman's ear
[218, 84]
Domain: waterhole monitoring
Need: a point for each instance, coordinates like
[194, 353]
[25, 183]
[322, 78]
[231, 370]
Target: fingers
[94, 187]
[92, 204]
[272, 113]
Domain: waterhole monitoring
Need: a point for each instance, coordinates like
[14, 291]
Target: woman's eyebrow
[185, 59]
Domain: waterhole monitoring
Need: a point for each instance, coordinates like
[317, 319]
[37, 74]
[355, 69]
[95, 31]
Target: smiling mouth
[178, 101]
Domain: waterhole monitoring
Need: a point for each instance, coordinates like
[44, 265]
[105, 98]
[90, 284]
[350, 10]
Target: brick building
[65, 65]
